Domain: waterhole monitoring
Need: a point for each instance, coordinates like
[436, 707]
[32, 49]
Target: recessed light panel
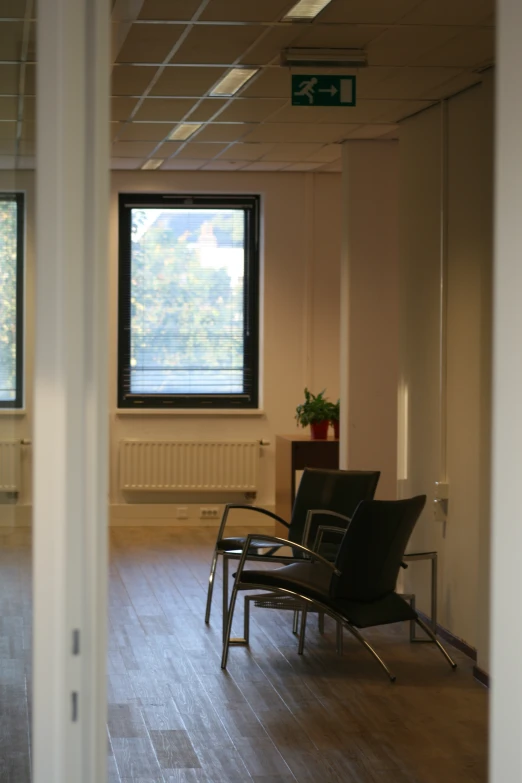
[306, 9]
[233, 81]
[184, 131]
[152, 163]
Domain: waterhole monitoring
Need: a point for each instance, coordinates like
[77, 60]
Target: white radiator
[10, 453]
[188, 466]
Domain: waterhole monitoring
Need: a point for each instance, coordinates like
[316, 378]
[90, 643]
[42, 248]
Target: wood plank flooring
[274, 717]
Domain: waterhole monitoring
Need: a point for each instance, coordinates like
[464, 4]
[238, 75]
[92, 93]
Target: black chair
[336, 491]
[358, 590]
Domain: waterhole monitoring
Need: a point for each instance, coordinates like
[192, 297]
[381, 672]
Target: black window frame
[19, 198]
[251, 205]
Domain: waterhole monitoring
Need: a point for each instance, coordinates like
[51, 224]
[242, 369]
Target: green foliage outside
[8, 271]
[186, 315]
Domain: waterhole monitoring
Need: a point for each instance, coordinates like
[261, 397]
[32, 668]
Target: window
[11, 299]
[188, 301]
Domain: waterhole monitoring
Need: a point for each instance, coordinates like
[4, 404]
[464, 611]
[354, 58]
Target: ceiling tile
[115, 129]
[249, 11]
[122, 108]
[175, 10]
[461, 82]
[213, 132]
[269, 48]
[9, 147]
[198, 151]
[30, 80]
[291, 132]
[468, 49]
[371, 11]
[8, 129]
[222, 45]
[272, 83]
[250, 110]
[365, 111]
[207, 108]
[11, 8]
[291, 152]
[394, 111]
[26, 147]
[266, 166]
[326, 154]
[413, 83]
[132, 149]
[8, 108]
[372, 131]
[9, 79]
[28, 131]
[338, 35]
[404, 45]
[463, 12]
[131, 79]
[182, 164]
[145, 131]
[149, 43]
[244, 152]
[26, 162]
[302, 166]
[224, 165]
[126, 163]
[187, 81]
[336, 167]
[11, 35]
[164, 109]
[168, 149]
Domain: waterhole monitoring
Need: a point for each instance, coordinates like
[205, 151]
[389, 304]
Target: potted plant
[314, 411]
[334, 417]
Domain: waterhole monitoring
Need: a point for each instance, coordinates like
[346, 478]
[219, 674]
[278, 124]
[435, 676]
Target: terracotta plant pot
[335, 425]
[319, 430]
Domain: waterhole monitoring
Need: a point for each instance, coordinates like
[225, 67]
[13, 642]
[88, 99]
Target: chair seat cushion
[312, 580]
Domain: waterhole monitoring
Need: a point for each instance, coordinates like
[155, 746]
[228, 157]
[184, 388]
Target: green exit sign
[323, 90]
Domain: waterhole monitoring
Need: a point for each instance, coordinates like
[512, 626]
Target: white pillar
[369, 311]
[70, 430]
[506, 629]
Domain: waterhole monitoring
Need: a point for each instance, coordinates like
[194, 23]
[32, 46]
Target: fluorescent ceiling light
[324, 58]
[183, 131]
[306, 9]
[233, 81]
[152, 163]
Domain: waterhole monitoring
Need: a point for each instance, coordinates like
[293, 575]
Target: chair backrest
[373, 547]
[331, 490]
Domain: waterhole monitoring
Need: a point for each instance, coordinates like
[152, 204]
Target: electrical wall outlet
[208, 512]
[182, 512]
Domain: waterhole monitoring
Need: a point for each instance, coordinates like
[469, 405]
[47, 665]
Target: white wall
[300, 309]
[446, 430]
[370, 294]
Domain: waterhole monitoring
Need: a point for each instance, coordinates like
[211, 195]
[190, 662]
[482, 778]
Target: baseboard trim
[450, 637]
[481, 676]
[165, 515]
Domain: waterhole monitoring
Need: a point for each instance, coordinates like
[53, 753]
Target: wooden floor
[275, 717]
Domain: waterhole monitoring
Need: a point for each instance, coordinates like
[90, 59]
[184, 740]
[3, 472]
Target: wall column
[369, 310]
[506, 629]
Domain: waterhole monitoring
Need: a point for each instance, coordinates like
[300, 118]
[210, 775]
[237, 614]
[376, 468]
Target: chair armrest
[322, 512]
[321, 530]
[230, 506]
[283, 542]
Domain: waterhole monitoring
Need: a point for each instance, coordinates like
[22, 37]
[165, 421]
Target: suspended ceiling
[169, 54]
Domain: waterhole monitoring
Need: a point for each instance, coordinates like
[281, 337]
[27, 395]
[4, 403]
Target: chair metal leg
[370, 649]
[228, 631]
[432, 636]
[295, 626]
[211, 584]
[302, 632]
[320, 622]
[339, 641]
[225, 593]
[246, 619]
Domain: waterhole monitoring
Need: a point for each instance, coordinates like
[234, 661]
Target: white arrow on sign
[332, 90]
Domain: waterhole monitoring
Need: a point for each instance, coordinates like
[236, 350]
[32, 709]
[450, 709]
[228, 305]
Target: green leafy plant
[334, 410]
[314, 409]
